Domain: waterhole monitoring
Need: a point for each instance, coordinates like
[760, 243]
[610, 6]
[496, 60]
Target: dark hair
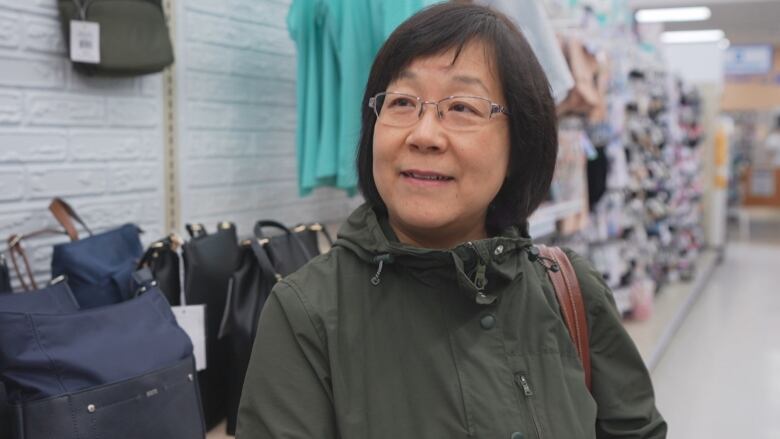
[532, 122]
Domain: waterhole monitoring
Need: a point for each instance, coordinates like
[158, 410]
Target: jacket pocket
[527, 396]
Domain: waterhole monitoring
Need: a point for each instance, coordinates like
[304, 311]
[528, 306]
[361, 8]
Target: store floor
[720, 374]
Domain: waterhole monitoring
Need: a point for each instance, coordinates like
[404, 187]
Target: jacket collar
[480, 267]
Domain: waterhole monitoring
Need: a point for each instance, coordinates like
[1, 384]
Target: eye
[465, 106]
[400, 101]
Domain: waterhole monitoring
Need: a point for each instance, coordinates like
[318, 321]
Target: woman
[431, 317]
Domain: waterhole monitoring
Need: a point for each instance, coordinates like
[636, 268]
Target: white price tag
[192, 319]
[85, 42]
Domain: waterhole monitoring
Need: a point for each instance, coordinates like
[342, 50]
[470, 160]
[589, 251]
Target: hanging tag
[85, 42]
[192, 319]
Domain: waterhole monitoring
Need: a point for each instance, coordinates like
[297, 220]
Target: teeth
[429, 177]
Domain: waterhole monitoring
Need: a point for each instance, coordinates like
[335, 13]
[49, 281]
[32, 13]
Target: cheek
[382, 158]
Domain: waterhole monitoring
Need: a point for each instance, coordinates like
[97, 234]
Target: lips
[426, 175]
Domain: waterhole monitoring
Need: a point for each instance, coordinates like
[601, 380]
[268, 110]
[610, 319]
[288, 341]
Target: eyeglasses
[458, 113]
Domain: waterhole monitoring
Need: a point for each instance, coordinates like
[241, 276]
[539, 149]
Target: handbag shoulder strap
[15, 249]
[64, 214]
[569, 295]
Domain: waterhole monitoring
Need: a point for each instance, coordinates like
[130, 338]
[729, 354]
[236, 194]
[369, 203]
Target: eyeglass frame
[494, 106]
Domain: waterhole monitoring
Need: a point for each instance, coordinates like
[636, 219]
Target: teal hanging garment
[337, 41]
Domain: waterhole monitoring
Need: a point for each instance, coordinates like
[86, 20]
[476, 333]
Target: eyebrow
[464, 79]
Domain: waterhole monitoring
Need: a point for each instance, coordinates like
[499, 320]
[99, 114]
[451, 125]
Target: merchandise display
[95, 335]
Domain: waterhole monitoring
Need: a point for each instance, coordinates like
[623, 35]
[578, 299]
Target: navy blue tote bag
[98, 268]
[54, 299]
[123, 371]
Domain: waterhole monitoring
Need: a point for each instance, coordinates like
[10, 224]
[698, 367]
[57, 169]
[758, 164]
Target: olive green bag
[134, 38]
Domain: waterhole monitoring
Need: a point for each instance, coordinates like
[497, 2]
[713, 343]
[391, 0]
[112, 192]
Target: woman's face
[469, 166]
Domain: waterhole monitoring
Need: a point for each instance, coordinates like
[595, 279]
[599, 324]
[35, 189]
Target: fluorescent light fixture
[692, 36]
[696, 13]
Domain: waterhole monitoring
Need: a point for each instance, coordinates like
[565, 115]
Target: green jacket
[376, 339]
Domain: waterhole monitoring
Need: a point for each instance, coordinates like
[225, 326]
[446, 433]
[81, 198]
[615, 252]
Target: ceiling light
[692, 36]
[697, 13]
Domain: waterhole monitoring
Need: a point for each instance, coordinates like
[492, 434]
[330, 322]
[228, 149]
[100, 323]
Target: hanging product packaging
[116, 37]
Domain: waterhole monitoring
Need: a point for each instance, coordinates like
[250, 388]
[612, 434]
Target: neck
[441, 238]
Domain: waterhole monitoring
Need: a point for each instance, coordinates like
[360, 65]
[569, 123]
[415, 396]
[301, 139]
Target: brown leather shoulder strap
[569, 295]
[64, 214]
[15, 249]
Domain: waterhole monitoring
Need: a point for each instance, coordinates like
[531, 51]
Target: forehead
[472, 66]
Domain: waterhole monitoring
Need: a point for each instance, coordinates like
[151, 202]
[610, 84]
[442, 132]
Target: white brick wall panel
[11, 108]
[219, 144]
[134, 112]
[221, 8]
[240, 62]
[222, 88]
[20, 147]
[241, 116]
[32, 73]
[44, 35]
[42, 7]
[115, 211]
[239, 35]
[152, 85]
[10, 30]
[113, 145]
[241, 199]
[96, 85]
[239, 144]
[65, 181]
[135, 178]
[46, 109]
[13, 182]
[276, 142]
[226, 172]
[270, 14]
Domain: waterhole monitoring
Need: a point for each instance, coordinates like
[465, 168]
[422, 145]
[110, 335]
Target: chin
[426, 218]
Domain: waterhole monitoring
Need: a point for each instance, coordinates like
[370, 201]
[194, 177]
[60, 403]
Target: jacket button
[517, 435]
[488, 321]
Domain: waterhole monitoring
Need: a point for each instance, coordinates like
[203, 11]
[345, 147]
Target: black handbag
[209, 263]
[5, 276]
[160, 404]
[286, 250]
[309, 236]
[162, 259]
[134, 37]
[249, 288]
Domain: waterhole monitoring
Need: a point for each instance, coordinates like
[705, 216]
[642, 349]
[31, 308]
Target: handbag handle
[196, 230]
[569, 295]
[262, 259]
[64, 213]
[15, 250]
[277, 225]
[316, 227]
[269, 223]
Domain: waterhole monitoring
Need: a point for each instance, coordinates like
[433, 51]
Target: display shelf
[544, 219]
[671, 306]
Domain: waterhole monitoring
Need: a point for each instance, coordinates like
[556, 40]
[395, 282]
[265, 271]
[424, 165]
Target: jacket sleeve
[621, 382]
[287, 392]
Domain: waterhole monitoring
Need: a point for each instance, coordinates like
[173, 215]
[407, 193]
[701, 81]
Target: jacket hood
[477, 265]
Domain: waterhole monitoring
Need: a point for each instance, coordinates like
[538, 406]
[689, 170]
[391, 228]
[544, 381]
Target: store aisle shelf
[671, 306]
[544, 219]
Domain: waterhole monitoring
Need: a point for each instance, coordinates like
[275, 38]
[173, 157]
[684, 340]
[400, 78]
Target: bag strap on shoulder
[569, 295]
[64, 214]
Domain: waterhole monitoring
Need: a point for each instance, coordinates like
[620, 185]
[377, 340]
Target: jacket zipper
[522, 381]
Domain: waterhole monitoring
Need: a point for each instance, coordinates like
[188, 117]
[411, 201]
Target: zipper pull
[522, 381]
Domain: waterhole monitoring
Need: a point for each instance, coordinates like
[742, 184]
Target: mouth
[426, 176]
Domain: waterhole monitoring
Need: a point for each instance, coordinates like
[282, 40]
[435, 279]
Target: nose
[427, 134]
